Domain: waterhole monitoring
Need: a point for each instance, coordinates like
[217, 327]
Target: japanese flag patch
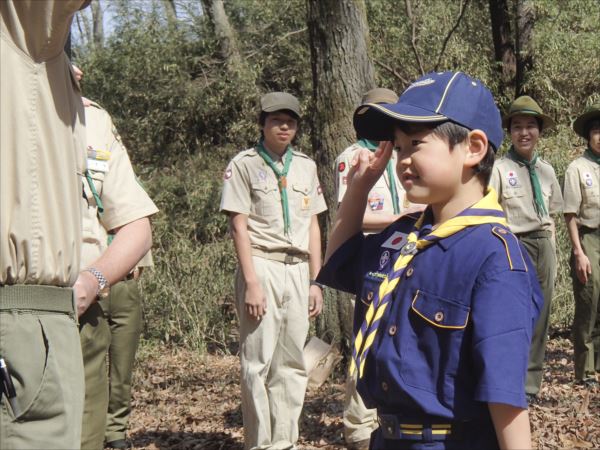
[396, 241]
[512, 178]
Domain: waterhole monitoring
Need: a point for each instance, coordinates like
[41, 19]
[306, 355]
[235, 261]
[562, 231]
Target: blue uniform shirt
[457, 332]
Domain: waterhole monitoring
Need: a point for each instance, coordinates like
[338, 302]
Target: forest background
[181, 79]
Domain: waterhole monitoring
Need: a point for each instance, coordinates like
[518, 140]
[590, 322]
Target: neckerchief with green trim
[281, 179]
[589, 154]
[540, 207]
[372, 145]
[486, 210]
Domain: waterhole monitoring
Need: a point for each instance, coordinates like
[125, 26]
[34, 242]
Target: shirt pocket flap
[512, 193]
[302, 188]
[263, 187]
[439, 311]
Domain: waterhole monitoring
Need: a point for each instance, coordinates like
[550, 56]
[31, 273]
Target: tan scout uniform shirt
[582, 191]
[380, 197]
[250, 188]
[41, 145]
[123, 198]
[511, 181]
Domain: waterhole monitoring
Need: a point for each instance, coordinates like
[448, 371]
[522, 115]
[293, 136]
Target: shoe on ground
[358, 445]
[588, 383]
[119, 444]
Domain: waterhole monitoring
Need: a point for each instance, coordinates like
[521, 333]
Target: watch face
[103, 293]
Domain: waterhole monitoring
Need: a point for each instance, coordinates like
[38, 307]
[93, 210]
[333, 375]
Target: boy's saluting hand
[367, 167]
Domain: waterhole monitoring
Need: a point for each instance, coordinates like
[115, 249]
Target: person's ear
[477, 146]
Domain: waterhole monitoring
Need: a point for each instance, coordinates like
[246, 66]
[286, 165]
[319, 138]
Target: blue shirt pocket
[431, 343]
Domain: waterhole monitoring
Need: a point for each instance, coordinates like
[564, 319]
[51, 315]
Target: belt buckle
[289, 259]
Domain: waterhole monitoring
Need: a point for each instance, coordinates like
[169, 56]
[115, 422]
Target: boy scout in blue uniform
[529, 193]
[449, 297]
[582, 215]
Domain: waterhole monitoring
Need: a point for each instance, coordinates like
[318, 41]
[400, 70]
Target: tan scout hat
[380, 95]
[581, 123]
[525, 105]
[277, 101]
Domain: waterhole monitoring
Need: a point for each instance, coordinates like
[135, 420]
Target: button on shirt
[250, 187]
[582, 191]
[459, 328]
[511, 181]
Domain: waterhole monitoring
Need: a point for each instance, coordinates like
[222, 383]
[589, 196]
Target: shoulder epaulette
[514, 254]
[245, 153]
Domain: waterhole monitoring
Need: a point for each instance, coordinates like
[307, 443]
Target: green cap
[526, 106]
[277, 101]
[581, 123]
[380, 95]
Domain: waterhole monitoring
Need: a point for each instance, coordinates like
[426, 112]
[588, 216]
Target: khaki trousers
[541, 250]
[586, 322]
[273, 376]
[124, 310]
[359, 421]
[42, 352]
[94, 334]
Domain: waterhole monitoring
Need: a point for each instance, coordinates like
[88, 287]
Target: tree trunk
[170, 11]
[228, 48]
[342, 72]
[504, 48]
[97, 23]
[525, 17]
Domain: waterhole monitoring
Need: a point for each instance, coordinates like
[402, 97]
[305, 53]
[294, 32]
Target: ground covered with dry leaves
[183, 401]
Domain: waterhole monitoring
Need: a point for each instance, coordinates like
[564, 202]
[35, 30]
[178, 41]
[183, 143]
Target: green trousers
[123, 307]
[94, 334]
[586, 322]
[42, 352]
[540, 249]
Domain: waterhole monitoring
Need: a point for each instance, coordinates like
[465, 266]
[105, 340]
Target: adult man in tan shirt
[272, 196]
[41, 147]
[114, 202]
[582, 216]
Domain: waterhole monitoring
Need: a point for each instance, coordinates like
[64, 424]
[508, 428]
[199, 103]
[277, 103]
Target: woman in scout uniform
[582, 215]
[272, 196]
[529, 194]
[448, 296]
[114, 201]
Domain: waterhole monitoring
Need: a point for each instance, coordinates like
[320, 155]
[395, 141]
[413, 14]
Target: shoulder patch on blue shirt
[513, 249]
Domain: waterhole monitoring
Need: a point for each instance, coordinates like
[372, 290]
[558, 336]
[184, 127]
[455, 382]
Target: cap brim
[547, 121]
[582, 120]
[281, 107]
[376, 121]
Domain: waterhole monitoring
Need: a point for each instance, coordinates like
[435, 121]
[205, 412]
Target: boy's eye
[415, 142]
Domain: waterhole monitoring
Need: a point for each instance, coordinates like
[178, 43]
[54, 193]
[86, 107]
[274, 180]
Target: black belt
[537, 234]
[394, 427]
[34, 297]
[585, 230]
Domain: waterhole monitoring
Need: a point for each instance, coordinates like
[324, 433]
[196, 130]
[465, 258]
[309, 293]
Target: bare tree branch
[413, 39]
[281, 38]
[463, 8]
[392, 71]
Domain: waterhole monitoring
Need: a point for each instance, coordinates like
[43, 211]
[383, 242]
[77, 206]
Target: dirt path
[185, 402]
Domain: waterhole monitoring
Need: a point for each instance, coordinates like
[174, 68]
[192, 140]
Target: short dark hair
[456, 134]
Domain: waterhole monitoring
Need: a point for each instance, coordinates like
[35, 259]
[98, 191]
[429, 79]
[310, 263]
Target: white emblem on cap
[420, 83]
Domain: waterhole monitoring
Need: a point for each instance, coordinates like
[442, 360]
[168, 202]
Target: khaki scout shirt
[123, 198]
[42, 141]
[582, 191]
[250, 187]
[511, 181]
[380, 197]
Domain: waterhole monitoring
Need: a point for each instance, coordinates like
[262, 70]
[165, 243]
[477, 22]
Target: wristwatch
[314, 283]
[103, 286]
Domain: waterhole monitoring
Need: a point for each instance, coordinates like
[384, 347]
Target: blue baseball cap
[435, 97]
